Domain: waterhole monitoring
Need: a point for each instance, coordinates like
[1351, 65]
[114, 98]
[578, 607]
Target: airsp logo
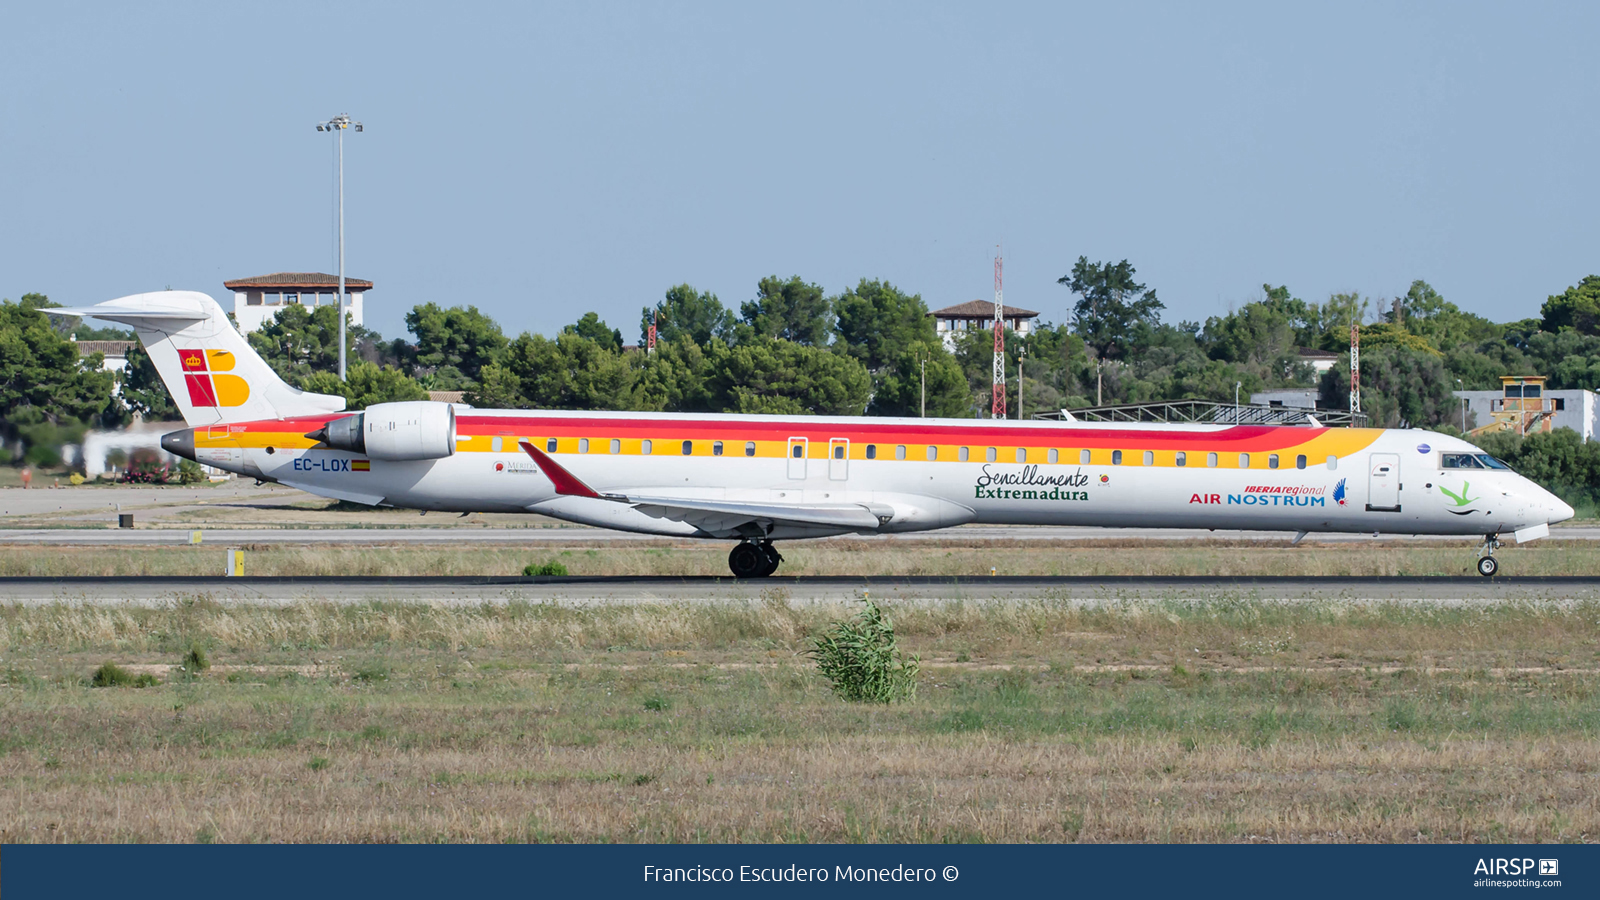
[1549, 867]
[1512, 866]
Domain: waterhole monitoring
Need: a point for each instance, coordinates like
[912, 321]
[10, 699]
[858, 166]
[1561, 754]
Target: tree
[686, 312]
[143, 390]
[301, 340]
[891, 333]
[1104, 315]
[778, 376]
[897, 387]
[591, 327]
[791, 310]
[569, 372]
[453, 344]
[365, 384]
[673, 378]
[1576, 308]
[877, 322]
[47, 392]
[1401, 387]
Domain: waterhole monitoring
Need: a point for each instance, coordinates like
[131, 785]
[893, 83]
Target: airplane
[757, 479]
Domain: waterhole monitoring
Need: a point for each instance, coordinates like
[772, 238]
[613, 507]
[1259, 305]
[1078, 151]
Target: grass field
[827, 557]
[1034, 721]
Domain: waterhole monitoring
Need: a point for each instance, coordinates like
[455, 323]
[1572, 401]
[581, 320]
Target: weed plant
[862, 660]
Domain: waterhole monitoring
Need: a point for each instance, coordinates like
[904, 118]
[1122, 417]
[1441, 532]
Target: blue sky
[544, 160]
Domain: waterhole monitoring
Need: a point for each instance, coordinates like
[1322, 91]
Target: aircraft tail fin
[211, 371]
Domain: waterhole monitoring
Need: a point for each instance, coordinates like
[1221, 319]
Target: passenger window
[1183, 459]
[1300, 461]
[1149, 457]
[1083, 457]
[583, 445]
[688, 448]
[991, 454]
[749, 448]
[1272, 460]
[900, 451]
[616, 446]
[933, 453]
[1022, 454]
[872, 451]
[1244, 460]
[1116, 457]
[550, 445]
[1333, 463]
[716, 448]
[798, 451]
[962, 454]
[644, 447]
[496, 444]
[1211, 460]
[838, 451]
[1053, 456]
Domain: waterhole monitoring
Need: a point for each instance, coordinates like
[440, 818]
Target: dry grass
[1042, 721]
[828, 557]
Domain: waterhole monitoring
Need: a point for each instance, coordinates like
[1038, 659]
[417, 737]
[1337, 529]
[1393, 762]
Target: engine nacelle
[413, 429]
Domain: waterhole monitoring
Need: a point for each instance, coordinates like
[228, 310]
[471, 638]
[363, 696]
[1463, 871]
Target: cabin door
[839, 459]
[1383, 484]
[797, 457]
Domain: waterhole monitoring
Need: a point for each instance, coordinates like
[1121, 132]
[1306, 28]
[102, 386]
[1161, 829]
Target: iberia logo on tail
[205, 375]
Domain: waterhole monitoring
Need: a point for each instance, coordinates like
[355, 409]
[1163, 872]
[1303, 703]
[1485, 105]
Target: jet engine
[414, 429]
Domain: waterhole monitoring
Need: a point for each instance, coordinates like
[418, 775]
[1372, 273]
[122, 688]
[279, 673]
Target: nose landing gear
[754, 559]
[1487, 565]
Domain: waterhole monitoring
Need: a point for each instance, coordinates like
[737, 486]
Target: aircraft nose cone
[1561, 511]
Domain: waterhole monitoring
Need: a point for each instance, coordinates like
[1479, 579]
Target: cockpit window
[1491, 462]
[1459, 461]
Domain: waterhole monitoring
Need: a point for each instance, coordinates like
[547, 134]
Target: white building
[978, 315]
[1295, 398]
[1575, 409]
[116, 356]
[259, 298]
[1319, 360]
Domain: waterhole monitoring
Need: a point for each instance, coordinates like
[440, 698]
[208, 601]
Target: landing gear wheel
[1487, 566]
[773, 557]
[748, 560]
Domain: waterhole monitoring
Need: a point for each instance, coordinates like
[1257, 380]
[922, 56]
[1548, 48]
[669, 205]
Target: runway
[578, 534]
[465, 591]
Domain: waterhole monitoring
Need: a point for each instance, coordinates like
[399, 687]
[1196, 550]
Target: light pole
[339, 124]
[1236, 386]
[1463, 407]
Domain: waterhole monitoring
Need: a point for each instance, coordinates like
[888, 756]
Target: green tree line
[794, 348]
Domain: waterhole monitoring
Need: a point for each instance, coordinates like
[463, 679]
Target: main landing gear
[754, 559]
[1487, 565]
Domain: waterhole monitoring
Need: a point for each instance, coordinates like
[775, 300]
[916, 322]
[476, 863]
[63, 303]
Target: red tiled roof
[109, 348]
[297, 280]
[980, 309]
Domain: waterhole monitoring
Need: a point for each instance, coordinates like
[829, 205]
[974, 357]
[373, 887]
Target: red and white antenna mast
[650, 339]
[997, 408]
[1355, 367]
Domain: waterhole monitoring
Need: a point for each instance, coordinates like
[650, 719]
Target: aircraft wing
[723, 518]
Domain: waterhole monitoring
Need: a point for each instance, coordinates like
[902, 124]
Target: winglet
[566, 483]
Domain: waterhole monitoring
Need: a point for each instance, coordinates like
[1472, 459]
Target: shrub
[862, 660]
[194, 662]
[549, 568]
[112, 675]
[657, 704]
